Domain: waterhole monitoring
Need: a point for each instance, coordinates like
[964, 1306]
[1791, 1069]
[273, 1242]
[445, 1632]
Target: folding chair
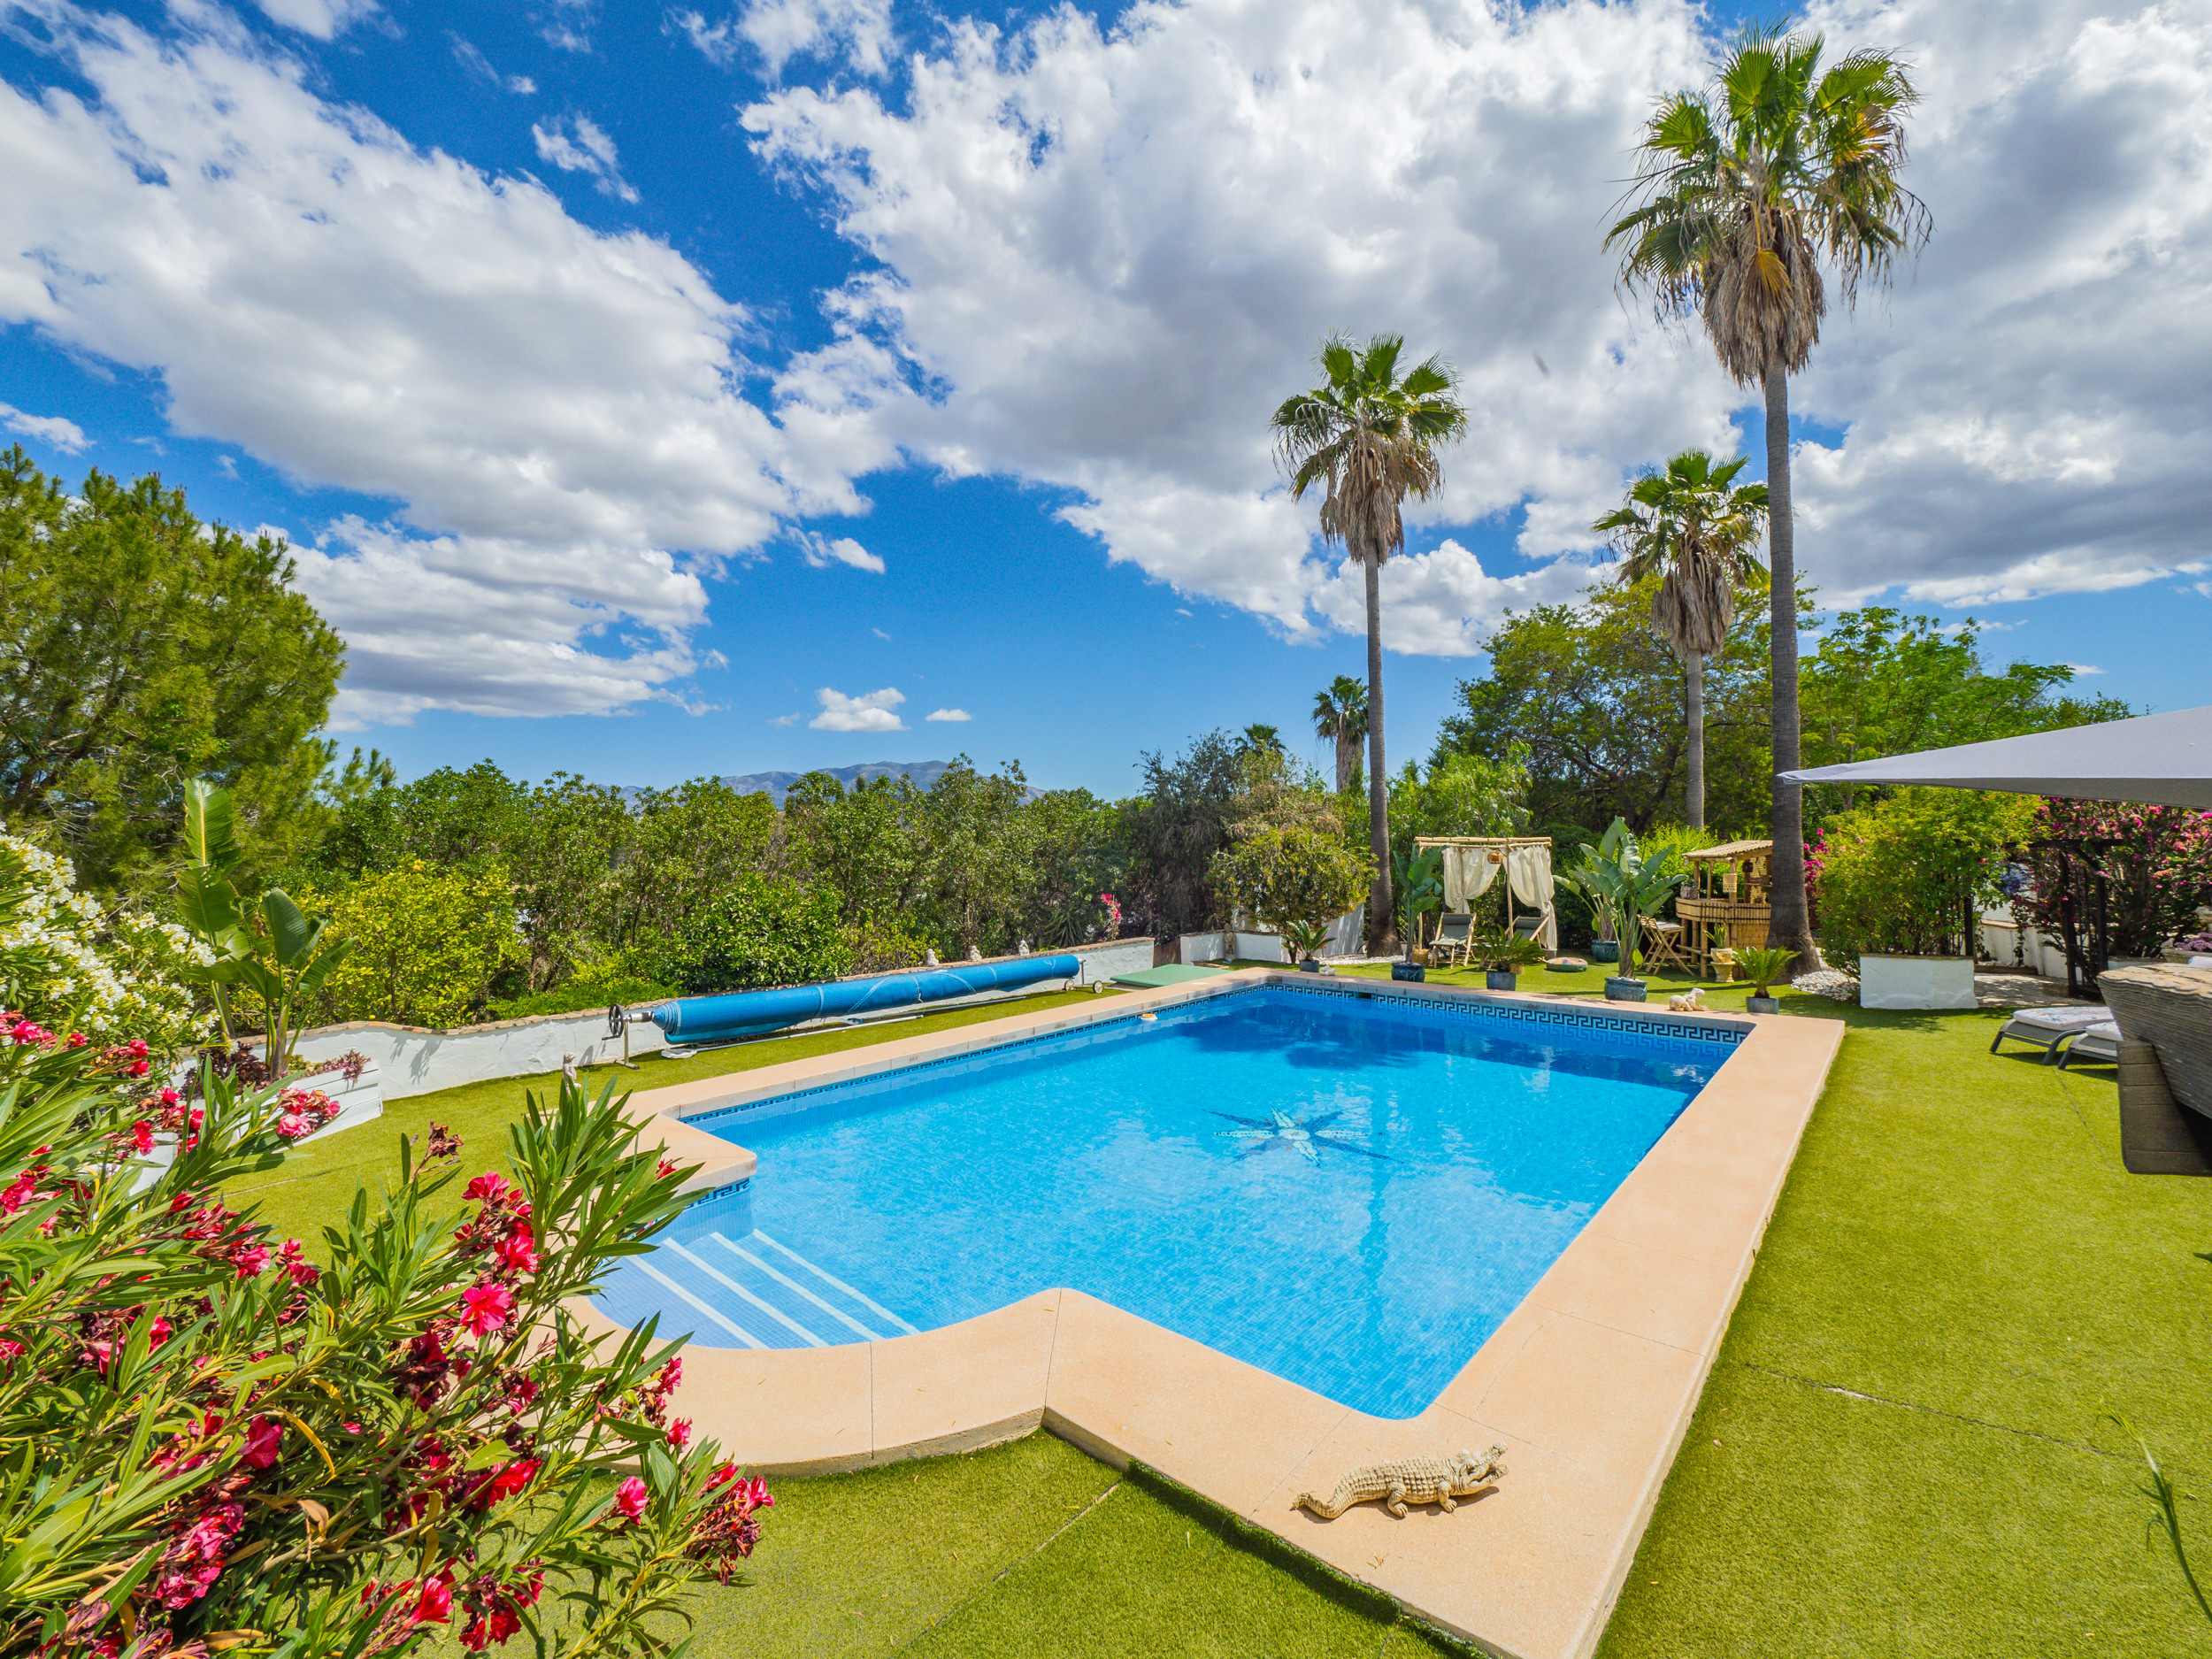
[1662, 948]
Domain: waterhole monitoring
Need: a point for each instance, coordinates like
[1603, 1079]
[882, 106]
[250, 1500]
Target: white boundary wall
[415, 1060]
[1348, 937]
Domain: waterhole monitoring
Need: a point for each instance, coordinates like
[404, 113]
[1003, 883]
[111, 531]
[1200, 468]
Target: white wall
[2043, 954]
[1348, 937]
[413, 1060]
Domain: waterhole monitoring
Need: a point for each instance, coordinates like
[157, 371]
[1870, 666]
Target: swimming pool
[1348, 1189]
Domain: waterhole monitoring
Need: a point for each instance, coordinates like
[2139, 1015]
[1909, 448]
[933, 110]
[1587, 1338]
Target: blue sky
[655, 391]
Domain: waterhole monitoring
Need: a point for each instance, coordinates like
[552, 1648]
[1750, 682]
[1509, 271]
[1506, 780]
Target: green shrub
[427, 944]
[1282, 873]
[758, 931]
[1907, 876]
[577, 995]
[881, 946]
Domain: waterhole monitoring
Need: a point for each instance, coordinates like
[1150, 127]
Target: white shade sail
[2157, 759]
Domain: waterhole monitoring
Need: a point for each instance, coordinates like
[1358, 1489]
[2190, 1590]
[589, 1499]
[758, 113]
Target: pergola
[1473, 861]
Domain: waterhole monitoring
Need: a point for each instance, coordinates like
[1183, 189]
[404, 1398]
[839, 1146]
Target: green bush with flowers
[210, 1442]
[77, 965]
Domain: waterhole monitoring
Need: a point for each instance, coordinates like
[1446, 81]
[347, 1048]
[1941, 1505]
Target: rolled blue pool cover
[743, 1013]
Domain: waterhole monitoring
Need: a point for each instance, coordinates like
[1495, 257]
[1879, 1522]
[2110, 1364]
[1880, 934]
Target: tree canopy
[140, 648]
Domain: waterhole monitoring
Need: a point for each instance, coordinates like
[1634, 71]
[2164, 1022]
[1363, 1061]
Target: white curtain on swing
[1468, 873]
[1528, 878]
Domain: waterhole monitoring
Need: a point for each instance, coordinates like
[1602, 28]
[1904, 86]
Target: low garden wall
[1348, 936]
[416, 1060]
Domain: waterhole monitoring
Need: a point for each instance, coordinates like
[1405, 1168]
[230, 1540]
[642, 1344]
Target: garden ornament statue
[1689, 1001]
[1406, 1480]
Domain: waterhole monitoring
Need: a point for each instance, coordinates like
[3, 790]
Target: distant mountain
[924, 772]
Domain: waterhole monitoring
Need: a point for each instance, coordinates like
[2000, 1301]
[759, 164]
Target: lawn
[1904, 1448]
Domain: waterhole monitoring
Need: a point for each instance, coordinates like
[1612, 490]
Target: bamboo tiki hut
[1729, 901]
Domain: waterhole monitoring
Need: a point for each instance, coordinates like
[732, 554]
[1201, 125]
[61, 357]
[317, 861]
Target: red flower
[667, 1168]
[485, 1308]
[169, 1097]
[142, 1068]
[491, 1188]
[292, 1126]
[518, 1253]
[262, 1437]
[141, 1137]
[249, 1260]
[77, 1039]
[435, 1605]
[680, 1434]
[629, 1499]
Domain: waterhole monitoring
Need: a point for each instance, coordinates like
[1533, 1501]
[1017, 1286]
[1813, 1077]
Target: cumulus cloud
[950, 717]
[1442, 602]
[551, 409]
[574, 143]
[1100, 256]
[821, 552]
[877, 711]
[51, 430]
[857, 33]
[325, 19]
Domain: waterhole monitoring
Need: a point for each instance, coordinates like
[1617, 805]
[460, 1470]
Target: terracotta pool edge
[1124, 1390]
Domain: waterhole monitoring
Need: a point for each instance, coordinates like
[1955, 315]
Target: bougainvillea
[211, 1441]
[2155, 861]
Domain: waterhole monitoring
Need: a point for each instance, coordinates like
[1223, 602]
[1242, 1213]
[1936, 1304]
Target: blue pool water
[1351, 1193]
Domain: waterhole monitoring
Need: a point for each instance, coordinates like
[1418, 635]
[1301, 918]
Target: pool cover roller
[744, 1013]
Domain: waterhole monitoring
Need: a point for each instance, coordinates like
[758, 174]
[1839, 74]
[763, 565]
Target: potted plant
[1625, 890]
[1503, 952]
[1762, 966]
[1419, 883]
[1305, 939]
[1903, 884]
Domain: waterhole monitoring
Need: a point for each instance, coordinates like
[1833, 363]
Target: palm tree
[1259, 735]
[1685, 528]
[1339, 714]
[1372, 439]
[1743, 191]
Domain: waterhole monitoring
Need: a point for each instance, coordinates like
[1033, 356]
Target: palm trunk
[1788, 924]
[1347, 761]
[1382, 928]
[1693, 701]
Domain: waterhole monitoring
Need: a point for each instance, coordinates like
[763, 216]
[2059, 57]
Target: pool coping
[1589, 1384]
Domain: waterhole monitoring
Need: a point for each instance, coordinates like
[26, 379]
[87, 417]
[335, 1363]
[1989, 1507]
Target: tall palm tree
[1371, 438]
[1339, 714]
[1688, 531]
[1743, 192]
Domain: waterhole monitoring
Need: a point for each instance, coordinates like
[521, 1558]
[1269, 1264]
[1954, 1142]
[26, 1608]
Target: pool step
[753, 1292]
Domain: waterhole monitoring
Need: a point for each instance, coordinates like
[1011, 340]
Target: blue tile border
[1653, 1031]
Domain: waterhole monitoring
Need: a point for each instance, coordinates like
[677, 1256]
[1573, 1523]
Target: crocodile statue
[1411, 1480]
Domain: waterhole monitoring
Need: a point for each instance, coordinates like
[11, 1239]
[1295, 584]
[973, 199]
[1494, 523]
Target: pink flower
[141, 1137]
[136, 1048]
[24, 1033]
[262, 1435]
[667, 1168]
[142, 1068]
[19, 1192]
[680, 1434]
[170, 1097]
[491, 1188]
[249, 1260]
[485, 1308]
[629, 1499]
[77, 1039]
[292, 1126]
[518, 1253]
[10, 1351]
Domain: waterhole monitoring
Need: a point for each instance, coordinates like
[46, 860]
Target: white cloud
[788, 720]
[821, 553]
[472, 58]
[874, 713]
[1106, 255]
[2084, 668]
[50, 430]
[567, 24]
[582, 147]
[856, 32]
[553, 412]
[324, 19]
[1442, 602]
[951, 716]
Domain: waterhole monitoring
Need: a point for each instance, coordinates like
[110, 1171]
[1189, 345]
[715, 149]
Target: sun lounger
[1450, 944]
[2049, 1027]
[2099, 1044]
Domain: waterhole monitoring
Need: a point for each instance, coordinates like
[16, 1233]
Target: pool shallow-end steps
[1590, 1382]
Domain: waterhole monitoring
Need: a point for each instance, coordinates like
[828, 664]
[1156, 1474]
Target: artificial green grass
[1902, 1449]
[312, 1188]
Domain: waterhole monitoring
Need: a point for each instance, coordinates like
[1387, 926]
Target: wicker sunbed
[2169, 1008]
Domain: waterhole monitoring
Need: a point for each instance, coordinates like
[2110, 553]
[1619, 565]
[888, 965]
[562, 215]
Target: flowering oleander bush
[209, 1441]
[1906, 877]
[112, 974]
[2156, 862]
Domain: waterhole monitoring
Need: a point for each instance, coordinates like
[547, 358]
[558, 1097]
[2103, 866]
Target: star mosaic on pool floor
[1306, 1136]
